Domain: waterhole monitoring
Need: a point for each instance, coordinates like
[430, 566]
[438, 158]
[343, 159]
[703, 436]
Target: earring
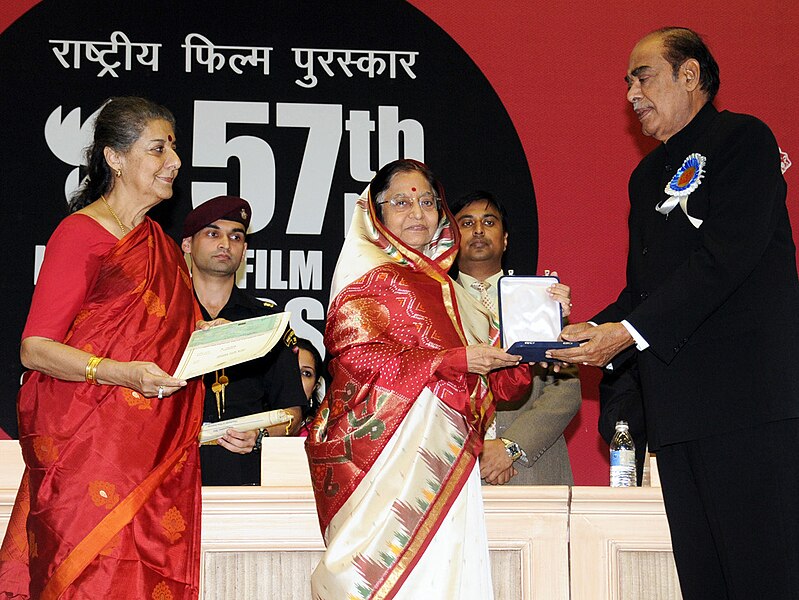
[118, 173]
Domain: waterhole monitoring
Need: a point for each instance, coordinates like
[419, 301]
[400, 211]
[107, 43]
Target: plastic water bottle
[622, 457]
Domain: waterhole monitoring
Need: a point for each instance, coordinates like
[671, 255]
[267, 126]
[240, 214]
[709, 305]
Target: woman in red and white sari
[393, 449]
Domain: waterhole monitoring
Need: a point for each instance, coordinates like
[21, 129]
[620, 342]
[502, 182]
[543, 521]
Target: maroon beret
[229, 208]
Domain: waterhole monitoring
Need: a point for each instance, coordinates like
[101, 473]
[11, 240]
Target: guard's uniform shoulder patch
[290, 338]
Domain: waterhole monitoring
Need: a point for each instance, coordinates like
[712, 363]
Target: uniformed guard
[215, 238]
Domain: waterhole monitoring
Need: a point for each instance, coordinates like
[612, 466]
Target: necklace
[113, 214]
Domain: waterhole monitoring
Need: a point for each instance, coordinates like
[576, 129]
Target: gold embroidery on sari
[45, 449]
[153, 303]
[173, 523]
[162, 592]
[103, 494]
[179, 465]
[81, 316]
[134, 398]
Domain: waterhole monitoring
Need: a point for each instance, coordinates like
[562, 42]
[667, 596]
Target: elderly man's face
[661, 102]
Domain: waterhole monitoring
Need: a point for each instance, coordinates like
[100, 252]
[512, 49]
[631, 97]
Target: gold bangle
[91, 369]
[94, 370]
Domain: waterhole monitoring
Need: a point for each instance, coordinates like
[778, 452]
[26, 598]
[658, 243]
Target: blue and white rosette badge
[687, 178]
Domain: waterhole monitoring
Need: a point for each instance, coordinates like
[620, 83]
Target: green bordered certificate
[230, 344]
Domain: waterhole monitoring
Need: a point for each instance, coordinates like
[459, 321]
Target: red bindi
[413, 189]
[169, 137]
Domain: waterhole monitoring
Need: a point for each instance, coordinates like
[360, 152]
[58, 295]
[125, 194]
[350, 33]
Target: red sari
[109, 505]
[396, 439]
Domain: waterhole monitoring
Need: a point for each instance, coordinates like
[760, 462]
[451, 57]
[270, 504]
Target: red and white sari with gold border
[393, 450]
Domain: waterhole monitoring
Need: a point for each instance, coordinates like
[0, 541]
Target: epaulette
[290, 338]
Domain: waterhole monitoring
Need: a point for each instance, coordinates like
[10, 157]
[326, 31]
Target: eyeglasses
[428, 202]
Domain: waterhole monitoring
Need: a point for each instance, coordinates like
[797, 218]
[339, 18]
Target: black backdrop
[298, 152]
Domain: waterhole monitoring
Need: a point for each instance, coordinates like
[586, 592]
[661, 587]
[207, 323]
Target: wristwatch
[262, 433]
[514, 451]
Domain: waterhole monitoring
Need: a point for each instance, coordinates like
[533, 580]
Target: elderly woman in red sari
[393, 449]
[109, 505]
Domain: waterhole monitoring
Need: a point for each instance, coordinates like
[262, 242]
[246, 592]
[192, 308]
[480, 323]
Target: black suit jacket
[718, 304]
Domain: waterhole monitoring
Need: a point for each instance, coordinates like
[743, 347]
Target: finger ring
[160, 392]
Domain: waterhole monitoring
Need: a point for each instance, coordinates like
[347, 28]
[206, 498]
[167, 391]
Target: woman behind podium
[393, 449]
[109, 504]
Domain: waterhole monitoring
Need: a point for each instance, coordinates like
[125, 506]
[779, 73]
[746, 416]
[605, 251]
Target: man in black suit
[709, 313]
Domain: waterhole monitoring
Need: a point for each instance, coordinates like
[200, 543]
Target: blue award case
[529, 319]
